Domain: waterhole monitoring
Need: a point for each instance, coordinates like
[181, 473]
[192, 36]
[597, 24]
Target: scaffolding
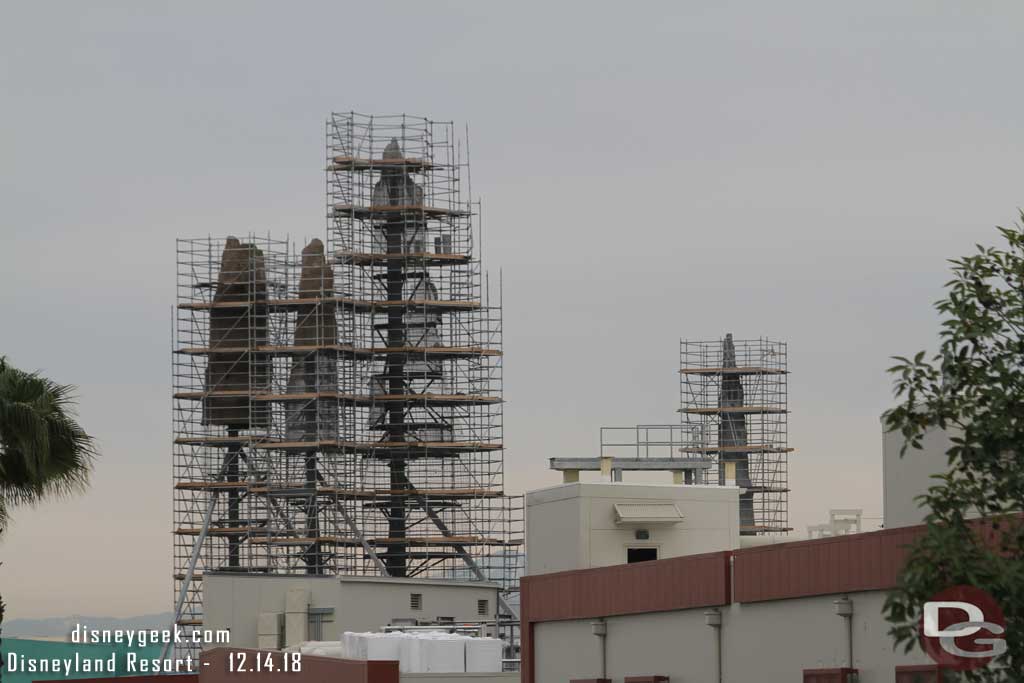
[226, 335]
[338, 410]
[734, 407]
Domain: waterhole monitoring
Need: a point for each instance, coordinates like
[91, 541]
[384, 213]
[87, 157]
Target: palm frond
[44, 452]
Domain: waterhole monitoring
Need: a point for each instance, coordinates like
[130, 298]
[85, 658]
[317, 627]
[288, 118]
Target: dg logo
[963, 628]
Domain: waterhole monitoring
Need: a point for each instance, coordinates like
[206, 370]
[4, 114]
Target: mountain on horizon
[55, 627]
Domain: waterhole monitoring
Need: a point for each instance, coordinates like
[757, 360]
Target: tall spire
[392, 150]
[732, 434]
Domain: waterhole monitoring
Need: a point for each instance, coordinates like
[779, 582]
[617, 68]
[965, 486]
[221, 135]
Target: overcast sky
[651, 171]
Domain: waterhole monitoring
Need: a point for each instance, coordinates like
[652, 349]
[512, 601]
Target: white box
[483, 655]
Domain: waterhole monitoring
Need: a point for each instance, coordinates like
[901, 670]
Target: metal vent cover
[648, 514]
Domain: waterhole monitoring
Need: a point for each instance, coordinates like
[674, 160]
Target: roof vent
[647, 514]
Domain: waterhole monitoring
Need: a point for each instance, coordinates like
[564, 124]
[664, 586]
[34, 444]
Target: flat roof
[356, 578]
[618, 489]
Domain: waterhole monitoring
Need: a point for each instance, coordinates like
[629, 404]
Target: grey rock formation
[315, 370]
[241, 280]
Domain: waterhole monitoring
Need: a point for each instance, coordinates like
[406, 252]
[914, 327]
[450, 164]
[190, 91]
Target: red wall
[844, 564]
[673, 584]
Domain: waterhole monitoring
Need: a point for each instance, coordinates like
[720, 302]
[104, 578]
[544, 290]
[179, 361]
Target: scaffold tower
[734, 408]
[401, 226]
[338, 410]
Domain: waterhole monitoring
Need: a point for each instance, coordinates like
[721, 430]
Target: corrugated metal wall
[844, 564]
[672, 584]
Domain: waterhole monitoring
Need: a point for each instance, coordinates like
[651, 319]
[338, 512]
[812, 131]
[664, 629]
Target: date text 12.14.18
[246, 662]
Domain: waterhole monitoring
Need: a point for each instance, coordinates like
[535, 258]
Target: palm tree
[43, 451]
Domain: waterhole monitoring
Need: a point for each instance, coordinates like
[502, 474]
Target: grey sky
[648, 171]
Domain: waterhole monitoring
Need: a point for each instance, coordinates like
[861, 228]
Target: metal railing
[652, 441]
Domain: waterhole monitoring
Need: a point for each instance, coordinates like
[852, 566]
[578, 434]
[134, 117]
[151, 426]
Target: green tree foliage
[974, 388]
[43, 450]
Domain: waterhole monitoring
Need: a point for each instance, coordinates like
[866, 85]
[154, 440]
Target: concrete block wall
[769, 641]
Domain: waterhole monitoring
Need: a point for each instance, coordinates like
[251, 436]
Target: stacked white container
[483, 655]
[416, 652]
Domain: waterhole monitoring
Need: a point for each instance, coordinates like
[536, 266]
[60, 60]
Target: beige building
[583, 525]
[272, 611]
[905, 478]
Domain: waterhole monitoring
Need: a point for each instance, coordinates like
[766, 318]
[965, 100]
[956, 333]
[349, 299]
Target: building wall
[572, 526]
[779, 639]
[556, 537]
[557, 610]
[903, 479]
[565, 650]
[776, 603]
[770, 641]
[235, 601]
[371, 597]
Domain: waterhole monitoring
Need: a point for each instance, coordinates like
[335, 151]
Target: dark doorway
[641, 554]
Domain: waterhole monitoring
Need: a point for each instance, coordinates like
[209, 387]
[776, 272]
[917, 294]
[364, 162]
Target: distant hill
[61, 626]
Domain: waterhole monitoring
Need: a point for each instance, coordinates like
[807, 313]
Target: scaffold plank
[352, 163]
[362, 305]
[420, 258]
[376, 211]
[361, 400]
[738, 410]
[749, 370]
[364, 352]
[748, 448]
